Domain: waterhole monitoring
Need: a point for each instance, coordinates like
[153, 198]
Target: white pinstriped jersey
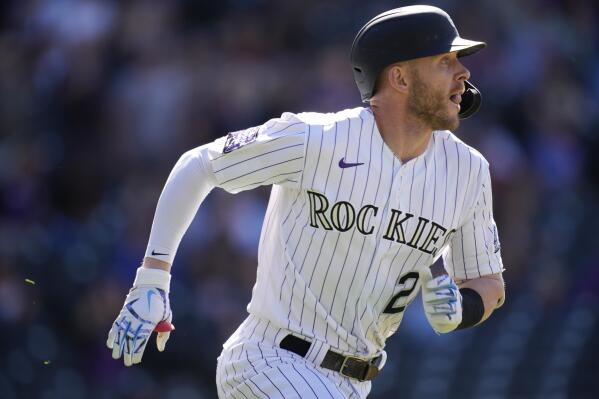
[348, 225]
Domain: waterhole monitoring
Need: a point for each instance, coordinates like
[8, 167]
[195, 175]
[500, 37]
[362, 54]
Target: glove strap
[154, 277]
[473, 308]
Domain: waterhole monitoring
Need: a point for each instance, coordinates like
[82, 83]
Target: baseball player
[363, 202]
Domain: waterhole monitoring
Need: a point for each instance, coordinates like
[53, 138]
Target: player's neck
[406, 136]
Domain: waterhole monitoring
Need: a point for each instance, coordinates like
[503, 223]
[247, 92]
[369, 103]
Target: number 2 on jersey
[408, 281]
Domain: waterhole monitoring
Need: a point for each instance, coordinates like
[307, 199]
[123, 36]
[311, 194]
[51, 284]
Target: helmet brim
[466, 47]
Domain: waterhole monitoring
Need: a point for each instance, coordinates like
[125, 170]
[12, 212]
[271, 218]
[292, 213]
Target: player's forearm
[188, 184]
[152, 263]
[491, 290]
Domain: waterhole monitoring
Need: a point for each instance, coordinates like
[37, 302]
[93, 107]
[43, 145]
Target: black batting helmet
[406, 33]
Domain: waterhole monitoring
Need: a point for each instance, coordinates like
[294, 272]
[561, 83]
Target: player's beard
[430, 105]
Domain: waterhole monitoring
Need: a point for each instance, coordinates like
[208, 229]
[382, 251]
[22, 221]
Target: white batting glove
[146, 309]
[442, 301]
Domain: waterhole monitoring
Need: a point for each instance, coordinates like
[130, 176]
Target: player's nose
[463, 73]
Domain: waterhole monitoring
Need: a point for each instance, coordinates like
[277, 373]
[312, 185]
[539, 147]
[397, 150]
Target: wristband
[473, 308]
[154, 277]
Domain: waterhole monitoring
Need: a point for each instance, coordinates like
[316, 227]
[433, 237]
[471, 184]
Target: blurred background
[99, 98]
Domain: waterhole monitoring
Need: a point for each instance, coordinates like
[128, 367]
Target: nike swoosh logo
[157, 253]
[150, 293]
[343, 164]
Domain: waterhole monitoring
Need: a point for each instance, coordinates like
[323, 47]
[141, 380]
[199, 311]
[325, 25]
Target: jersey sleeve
[272, 153]
[474, 248]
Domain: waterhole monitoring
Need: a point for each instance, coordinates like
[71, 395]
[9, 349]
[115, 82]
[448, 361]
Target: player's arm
[457, 304]
[483, 295]
[474, 286]
[474, 259]
[242, 160]
[147, 305]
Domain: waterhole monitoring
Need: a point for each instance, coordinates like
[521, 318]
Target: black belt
[349, 366]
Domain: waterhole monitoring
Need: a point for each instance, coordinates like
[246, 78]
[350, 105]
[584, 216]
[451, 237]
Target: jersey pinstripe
[348, 225]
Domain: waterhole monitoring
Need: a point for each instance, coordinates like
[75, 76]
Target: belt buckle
[369, 373]
[344, 365]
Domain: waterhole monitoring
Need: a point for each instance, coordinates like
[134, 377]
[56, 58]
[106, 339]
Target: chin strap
[471, 100]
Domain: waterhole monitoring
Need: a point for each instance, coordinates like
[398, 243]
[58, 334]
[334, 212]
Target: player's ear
[397, 77]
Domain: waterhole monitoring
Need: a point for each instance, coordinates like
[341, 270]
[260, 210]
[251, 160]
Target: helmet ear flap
[471, 101]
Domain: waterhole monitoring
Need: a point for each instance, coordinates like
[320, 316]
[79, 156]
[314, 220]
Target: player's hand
[442, 301]
[146, 309]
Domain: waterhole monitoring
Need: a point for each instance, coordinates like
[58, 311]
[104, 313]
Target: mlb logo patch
[240, 138]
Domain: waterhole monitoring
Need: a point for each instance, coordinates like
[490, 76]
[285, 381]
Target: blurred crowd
[98, 99]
